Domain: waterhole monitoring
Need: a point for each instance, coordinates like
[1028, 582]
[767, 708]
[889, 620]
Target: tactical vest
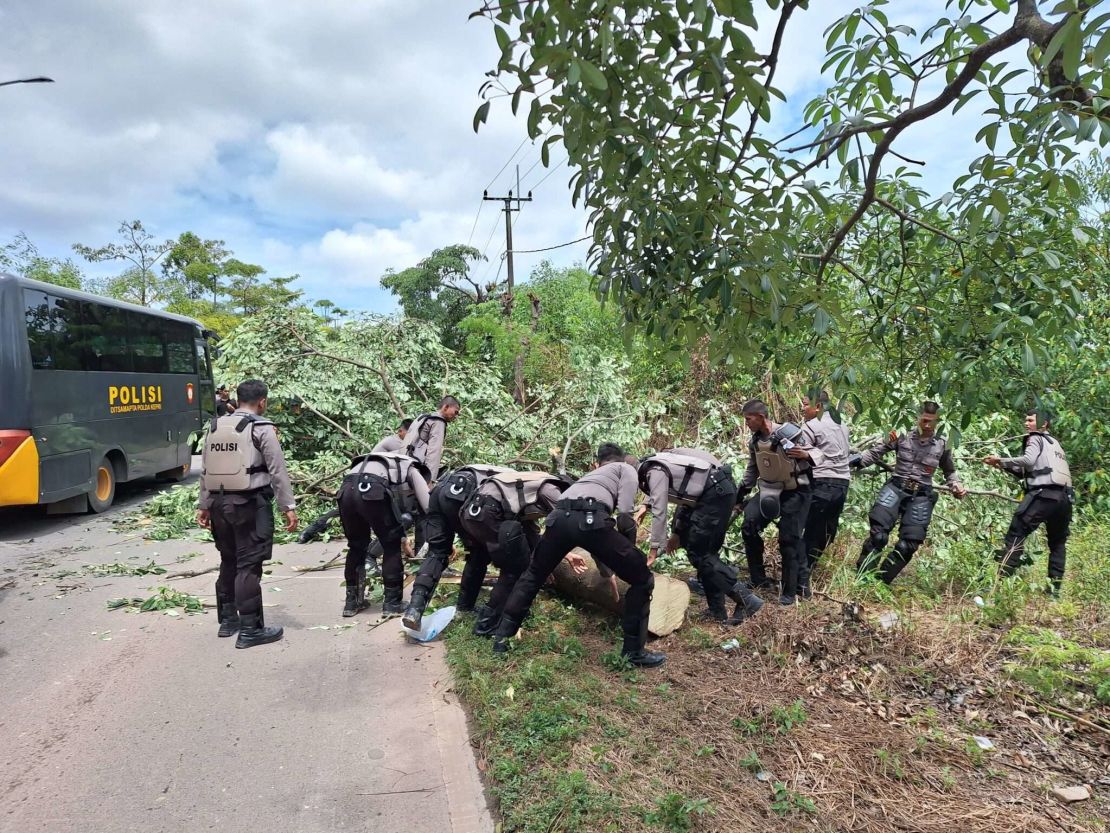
[232, 454]
[772, 463]
[1051, 466]
[663, 461]
[397, 467]
[519, 492]
[420, 431]
[461, 484]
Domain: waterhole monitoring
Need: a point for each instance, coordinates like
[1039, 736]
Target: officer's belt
[912, 487]
[832, 481]
[1046, 487]
[583, 504]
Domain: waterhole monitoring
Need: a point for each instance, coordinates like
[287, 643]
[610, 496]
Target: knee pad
[878, 540]
[749, 529]
[906, 547]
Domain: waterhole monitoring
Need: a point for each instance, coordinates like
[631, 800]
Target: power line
[507, 163]
[549, 173]
[470, 239]
[549, 248]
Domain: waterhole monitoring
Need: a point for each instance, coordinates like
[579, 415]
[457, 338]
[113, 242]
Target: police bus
[94, 392]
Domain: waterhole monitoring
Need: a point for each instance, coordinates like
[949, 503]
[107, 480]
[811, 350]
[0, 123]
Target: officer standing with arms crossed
[831, 476]
[502, 518]
[371, 502]
[583, 518]
[705, 493]
[1048, 499]
[244, 469]
[908, 497]
[780, 459]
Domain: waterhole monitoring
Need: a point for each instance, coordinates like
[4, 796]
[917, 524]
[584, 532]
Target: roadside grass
[817, 718]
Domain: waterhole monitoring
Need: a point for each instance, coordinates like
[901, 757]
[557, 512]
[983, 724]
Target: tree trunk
[668, 602]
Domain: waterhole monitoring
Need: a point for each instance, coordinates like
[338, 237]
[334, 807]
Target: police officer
[427, 433]
[908, 497]
[371, 502]
[441, 526]
[502, 517]
[395, 441]
[583, 518]
[244, 469]
[1048, 499]
[705, 493]
[780, 459]
[831, 476]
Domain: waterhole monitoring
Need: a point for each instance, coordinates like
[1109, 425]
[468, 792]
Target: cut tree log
[669, 600]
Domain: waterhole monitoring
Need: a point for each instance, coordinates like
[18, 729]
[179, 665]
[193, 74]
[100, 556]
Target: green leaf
[480, 115]
[503, 38]
[1028, 361]
[593, 76]
[821, 321]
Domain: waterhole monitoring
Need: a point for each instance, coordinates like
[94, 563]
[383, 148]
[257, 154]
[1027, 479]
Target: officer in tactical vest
[583, 518]
[427, 434]
[244, 469]
[372, 501]
[1048, 499]
[831, 476]
[780, 459]
[705, 493]
[502, 516]
[441, 525]
[908, 497]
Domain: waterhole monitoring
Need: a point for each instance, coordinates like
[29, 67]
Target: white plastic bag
[432, 625]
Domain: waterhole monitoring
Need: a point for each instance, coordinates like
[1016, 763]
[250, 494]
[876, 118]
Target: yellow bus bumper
[19, 476]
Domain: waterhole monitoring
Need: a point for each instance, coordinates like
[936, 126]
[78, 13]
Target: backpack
[461, 484]
[663, 462]
[230, 453]
[518, 492]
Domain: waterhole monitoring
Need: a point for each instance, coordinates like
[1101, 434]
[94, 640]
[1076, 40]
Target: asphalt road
[125, 721]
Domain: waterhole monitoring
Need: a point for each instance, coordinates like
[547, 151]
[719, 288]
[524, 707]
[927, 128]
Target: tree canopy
[807, 241]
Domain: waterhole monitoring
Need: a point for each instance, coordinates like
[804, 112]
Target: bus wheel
[104, 487]
[176, 474]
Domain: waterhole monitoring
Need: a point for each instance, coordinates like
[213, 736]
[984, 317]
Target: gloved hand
[855, 461]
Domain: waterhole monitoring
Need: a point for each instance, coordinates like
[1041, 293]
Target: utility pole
[509, 209]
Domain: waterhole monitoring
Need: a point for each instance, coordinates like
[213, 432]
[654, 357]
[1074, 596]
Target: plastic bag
[432, 625]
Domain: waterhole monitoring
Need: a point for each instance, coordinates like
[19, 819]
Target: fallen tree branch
[192, 573]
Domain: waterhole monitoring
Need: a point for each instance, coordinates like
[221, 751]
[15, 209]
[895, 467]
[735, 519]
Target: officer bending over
[371, 502]
[1048, 499]
[908, 497]
[502, 518]
[780, 459]
[243, 470]
[395, 441]
[705, 493]
[441, 526]
[583, 518]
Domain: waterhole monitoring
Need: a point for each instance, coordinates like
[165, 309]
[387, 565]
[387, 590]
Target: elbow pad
[626, 526]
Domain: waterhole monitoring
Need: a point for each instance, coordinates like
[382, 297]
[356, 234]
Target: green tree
[441, 289]
[22, 257]
[721, 217]
[140, 283]
[196, 267]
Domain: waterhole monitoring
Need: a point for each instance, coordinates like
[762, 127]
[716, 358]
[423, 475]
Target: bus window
[107, 339]
[147, 349]
[37, 311]
[179, 349]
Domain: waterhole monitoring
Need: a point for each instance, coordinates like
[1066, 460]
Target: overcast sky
[330, 138]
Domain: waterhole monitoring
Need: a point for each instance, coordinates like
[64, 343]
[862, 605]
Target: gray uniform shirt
[614, 484]
[411, 480]
[916, 457]
[831, 448]
[276, 475]
[658, 487]
[391, 442]
[428, 450]
[802, 467]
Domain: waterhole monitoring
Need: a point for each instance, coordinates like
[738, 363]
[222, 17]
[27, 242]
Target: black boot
[487, 621]
[747, 603]
[696, 587]
[391, 603]
[715, 609]
[507, 627]
[415, 611]
[253, 631]
[637, 604]
[356, 596]
[229, 619]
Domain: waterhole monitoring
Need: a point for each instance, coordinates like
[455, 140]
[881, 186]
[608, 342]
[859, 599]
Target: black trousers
[243, 528]
[441, 526]
[912, 512]
[794, 507]
[701, 531]
[362, 519]
[822, 522]
[509, 545]
[1051, 508]
[565, 530]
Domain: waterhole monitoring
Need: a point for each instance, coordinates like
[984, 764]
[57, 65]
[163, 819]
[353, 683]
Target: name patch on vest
[223, 446]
